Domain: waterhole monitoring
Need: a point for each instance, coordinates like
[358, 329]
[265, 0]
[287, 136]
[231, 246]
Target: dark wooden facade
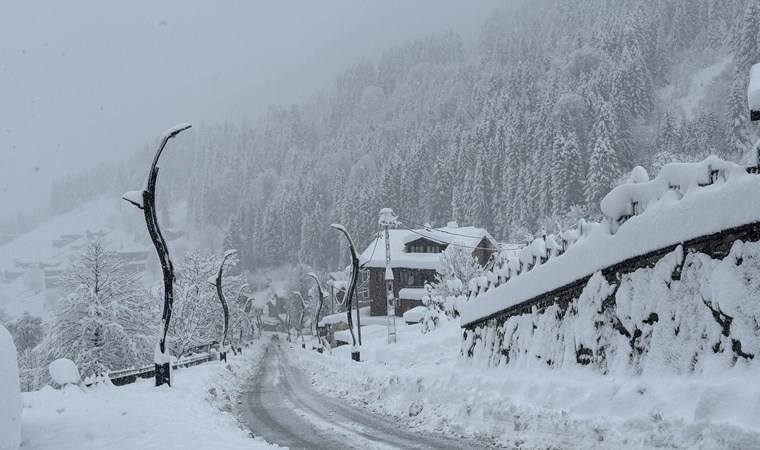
[413, 278]
[403, 278]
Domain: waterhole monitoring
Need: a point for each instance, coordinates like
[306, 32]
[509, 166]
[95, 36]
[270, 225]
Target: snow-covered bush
[456, 268]
[106, 321]
[10, 393]
[436, 310]
[197, 317]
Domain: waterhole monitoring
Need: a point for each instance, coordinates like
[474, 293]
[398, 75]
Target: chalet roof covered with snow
[374, 254]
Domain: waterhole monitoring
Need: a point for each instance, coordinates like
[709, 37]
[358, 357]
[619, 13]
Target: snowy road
[283, 408]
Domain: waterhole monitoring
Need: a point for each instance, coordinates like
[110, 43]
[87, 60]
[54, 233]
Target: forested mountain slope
[528, 127]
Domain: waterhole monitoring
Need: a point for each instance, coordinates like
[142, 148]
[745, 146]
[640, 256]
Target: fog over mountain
[87, 82]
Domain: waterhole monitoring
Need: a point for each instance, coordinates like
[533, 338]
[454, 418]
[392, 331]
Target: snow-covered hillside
[31, 264]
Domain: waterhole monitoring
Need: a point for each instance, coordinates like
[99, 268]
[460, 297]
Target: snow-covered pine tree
[106, 321]
[737, 135]
[566, 176]
[27, 331]
[745, 47]
[604, 163]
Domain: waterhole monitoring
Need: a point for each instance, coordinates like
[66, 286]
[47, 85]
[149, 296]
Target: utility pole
[387, 220]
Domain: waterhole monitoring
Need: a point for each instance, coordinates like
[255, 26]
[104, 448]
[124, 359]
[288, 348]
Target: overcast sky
[83, 82]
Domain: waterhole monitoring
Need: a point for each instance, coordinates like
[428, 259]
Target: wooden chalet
[415, 254]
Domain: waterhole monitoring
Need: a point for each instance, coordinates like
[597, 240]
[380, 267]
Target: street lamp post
[243, 315]
[315, 327]
[145, 199]
[355, 349]
[218, 283]
[304, 305]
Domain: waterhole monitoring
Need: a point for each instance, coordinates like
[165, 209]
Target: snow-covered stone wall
[689, 313]
[10, 393]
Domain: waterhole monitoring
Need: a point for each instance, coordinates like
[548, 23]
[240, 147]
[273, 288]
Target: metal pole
[146, 200]
[356, 349]
[315, 327]
[388, 219]
[304, 305]
[225, 308]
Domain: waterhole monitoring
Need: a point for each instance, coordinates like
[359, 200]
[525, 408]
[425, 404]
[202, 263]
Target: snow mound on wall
[10, 393]
[64, 371]
[687, 314]
[753, 90]
[673, 208]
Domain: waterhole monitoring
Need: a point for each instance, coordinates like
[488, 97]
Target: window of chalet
[425, 248]
[406, 278]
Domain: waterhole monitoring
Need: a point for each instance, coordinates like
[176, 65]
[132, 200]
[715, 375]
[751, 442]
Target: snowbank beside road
[424, 383]
[139, 415]
[10, 393]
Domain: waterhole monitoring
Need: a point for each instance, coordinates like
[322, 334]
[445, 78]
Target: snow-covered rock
[10, 393]
[64, 371]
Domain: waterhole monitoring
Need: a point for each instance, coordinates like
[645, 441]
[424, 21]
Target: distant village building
[135, 258]
[415, 255]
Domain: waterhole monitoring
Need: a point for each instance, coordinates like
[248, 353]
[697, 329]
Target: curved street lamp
[315, 322]
[243, 315]
[218, 283]
[145, 199]
[355, 349]
[304, 305]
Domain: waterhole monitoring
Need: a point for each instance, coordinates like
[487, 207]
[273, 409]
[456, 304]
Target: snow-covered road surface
[283, 408]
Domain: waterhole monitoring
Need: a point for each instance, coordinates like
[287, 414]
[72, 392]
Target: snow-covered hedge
[10, 393]
[660, 323]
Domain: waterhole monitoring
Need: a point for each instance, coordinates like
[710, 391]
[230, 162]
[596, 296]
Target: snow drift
[687, 314]
[10, 394]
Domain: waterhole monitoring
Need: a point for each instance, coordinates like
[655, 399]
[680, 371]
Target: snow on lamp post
[304, 307]
[145, 199]
[356, 348]
[315, 322]
[226, 311]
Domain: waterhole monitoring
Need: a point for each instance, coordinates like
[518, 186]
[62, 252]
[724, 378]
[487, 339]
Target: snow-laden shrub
[456, 269]
[436, 310]
[10, 393]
